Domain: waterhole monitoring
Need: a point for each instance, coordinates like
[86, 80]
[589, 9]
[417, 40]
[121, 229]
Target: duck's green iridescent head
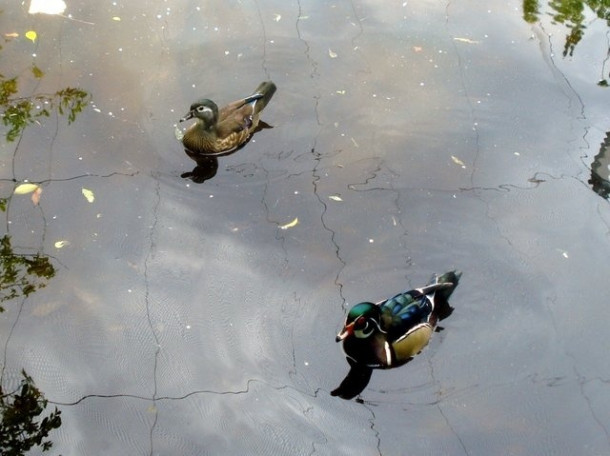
[364, 309]
[361, 321]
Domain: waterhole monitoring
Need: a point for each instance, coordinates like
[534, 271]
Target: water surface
[407, 139]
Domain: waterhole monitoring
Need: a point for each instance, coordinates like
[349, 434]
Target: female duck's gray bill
[189, 115]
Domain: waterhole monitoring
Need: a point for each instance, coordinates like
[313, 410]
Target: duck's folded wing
[412, 342]
[233, 126]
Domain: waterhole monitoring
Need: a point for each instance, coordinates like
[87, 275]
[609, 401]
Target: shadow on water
[24, 272]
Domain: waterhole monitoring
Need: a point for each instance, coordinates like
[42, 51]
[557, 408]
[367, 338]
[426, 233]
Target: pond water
[409, 138]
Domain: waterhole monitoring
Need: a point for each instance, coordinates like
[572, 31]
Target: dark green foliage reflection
[21, 274]
[600, 170]
[21, 429]
[571, 13]
[18, 112]
[530, 11]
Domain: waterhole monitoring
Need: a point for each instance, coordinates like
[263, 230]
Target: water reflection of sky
[407, 138]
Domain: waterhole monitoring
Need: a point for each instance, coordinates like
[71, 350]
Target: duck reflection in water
[217, 132]
[391, 332]
[207, 165]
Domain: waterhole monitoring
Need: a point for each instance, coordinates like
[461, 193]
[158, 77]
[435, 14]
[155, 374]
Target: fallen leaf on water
[11, 35]
[335, 198]
[465, 40]
[60, 244]
[417, 48]
[277, 17]
[116, 18]
[332, 54]
[457, 161]
[37, 72]
[88, 194]
[25, 188]
[31, 35]
[290, 225]
[36, 196]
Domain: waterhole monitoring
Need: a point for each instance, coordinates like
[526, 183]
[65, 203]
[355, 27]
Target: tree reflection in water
[20, 410]
[600, 170]
[22, 425]
[572, 14]
[19, 112]
[21, 274]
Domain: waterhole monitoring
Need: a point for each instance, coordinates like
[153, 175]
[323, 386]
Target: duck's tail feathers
[262, 95]
[444, 286]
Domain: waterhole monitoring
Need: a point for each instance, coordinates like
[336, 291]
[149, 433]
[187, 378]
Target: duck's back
[403, 312]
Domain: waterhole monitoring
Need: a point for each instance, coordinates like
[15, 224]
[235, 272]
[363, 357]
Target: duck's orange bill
[347, 330]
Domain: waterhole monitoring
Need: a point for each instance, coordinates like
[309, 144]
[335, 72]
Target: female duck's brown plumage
[218, 132]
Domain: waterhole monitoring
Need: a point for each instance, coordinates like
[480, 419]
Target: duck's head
[203, 109]
[361, 321]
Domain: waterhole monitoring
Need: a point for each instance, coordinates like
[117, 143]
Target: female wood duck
[391, 332]
[218, 132]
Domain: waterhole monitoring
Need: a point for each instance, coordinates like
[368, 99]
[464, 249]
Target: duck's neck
[203, 127]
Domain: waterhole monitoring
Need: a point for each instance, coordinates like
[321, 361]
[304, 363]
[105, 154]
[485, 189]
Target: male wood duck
[218, 132]
[391, 332]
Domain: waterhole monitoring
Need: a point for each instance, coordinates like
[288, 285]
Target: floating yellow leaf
[290, 225]
[36, 196]
[31, 35]
[277, 17]
[332, 54]
[88, 194]
[335, 198]
[60, 244]
[457, 161]
[25, 188]
[116, 18]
